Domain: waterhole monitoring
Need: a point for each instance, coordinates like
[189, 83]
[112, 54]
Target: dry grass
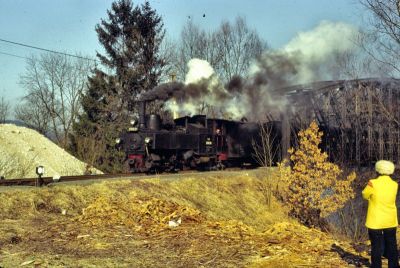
[227, 221]
[241, 197]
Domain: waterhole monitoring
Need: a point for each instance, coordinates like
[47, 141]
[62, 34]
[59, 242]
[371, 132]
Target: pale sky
[68, 25]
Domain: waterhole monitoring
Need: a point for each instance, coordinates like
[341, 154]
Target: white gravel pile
[23, 149]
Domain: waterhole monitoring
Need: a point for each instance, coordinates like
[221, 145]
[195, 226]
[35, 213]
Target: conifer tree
[95, 133]
[131, 37]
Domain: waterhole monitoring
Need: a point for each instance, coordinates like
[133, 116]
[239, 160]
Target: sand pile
[22, 149]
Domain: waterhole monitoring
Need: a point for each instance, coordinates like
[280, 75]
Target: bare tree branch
[239, 45]
[398, 6]
[384, 31]
[229, 50]
[34, 114]
[4, 109]
[54, 85]
[265, 151]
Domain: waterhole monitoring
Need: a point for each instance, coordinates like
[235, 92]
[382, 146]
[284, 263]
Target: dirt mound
[23, 149]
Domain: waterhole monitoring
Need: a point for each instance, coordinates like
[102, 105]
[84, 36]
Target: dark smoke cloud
[235, 85]
[261, 93]
[164, 91]
[177, 90]
[253, 95]
[306, 58]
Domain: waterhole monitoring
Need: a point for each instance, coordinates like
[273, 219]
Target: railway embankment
[215, 220]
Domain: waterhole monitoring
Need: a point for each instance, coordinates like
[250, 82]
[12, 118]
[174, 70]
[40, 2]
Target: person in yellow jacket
[382, 214]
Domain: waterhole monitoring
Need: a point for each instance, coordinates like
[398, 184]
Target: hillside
[223, 220]
[22, 149]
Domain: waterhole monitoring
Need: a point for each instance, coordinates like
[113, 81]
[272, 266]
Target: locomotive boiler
[191, 142]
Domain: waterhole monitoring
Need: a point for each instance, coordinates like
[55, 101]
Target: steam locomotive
[191, 142]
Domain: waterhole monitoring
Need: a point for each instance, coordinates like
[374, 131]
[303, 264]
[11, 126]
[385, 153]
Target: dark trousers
[383, 241]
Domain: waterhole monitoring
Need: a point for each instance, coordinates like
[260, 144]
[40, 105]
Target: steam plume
[308, 57]
[316, 50]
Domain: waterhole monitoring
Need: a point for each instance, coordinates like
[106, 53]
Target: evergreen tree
[131, 38]
[97, 128]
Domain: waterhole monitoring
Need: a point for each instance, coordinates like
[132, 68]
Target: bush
[313, 187]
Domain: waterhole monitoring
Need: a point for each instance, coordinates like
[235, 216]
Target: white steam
[316, 50]
[200, 71]
[310, 56]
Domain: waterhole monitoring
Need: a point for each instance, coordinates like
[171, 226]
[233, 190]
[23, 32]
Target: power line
[13, 55]
[44, 49]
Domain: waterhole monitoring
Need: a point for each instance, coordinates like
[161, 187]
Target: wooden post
[285, 139]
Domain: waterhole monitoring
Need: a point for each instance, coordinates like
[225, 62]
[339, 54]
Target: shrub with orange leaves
[313, 187]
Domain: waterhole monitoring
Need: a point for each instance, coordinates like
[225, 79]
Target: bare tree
[168, 52]
[238, 45]
[34, 114]
[357, 64]
[55, 83]
[4, 109]
[266, 150]
[195, 43]
[9, 161]
[229, 50]
[384, 33]
[398, 6]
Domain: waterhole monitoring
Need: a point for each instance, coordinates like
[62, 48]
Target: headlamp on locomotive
[191, 142]
[152, 146]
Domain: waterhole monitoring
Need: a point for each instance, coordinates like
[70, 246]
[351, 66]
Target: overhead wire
[13, 55]
[43, 49]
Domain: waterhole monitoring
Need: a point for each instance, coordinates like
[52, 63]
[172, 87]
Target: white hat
[384, 167]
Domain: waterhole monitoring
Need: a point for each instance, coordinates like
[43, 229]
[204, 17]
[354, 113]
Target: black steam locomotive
[195, 142]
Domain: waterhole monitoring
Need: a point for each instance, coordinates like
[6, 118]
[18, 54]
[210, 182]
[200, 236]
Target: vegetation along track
[48, 180]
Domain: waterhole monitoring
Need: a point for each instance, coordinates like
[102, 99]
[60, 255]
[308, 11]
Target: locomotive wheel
[220, 166]
[148, 164]
[127, 167]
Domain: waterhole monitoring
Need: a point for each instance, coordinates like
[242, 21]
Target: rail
[48, 180]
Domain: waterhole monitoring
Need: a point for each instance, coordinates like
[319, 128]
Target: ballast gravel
[23, 149]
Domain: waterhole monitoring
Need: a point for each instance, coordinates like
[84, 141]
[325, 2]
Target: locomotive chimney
[142, 114]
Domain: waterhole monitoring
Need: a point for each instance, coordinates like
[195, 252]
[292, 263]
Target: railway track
[47, 180]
